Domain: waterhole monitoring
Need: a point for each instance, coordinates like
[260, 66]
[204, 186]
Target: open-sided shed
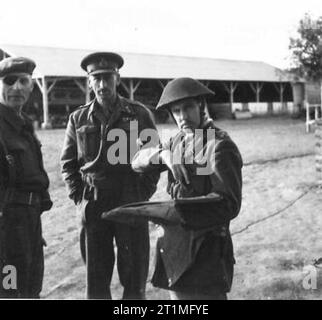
[63, 85]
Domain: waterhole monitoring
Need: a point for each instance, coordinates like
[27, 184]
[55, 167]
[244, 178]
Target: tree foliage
[306, 48]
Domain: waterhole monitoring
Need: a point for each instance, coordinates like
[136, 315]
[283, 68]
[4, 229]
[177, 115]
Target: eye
[175, 110]
[25, 81]
[10, 80]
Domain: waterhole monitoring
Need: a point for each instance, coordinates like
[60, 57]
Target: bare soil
[277, 234]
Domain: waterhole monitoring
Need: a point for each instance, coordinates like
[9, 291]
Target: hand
[159, 231]
[77, 197]
[178, 170]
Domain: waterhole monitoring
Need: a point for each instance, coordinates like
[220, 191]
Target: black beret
[16, 64]
[102, 62]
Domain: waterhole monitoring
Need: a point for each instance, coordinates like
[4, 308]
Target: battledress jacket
[197, 256]
[90, 138]
[22, 144]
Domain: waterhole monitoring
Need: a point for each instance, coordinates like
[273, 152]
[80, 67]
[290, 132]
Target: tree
[306, 49]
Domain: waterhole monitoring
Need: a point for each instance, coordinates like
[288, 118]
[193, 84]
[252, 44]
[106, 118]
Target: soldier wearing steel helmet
[96, 184]
[194, 259]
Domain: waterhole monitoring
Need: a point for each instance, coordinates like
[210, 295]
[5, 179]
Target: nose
[183, 115]
[101, 83]
[16, 85]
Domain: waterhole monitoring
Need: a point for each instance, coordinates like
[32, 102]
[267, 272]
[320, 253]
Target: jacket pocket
[17, 149]
[88, 141]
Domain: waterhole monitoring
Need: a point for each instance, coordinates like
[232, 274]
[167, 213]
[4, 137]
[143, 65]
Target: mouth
[103, 92]
[16, 97]
[185, 125]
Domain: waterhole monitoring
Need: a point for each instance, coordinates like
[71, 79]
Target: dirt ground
[277, 234]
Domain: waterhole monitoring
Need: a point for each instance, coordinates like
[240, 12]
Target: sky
[227, 29]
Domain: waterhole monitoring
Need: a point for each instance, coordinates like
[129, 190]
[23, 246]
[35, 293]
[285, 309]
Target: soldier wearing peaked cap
[23, 183]
[194, 259]
[97, 184]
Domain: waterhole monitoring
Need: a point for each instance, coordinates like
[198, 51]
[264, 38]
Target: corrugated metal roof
[66, 63]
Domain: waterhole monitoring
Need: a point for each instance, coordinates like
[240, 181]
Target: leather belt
[24, 197]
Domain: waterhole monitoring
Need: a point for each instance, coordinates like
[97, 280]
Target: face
[186, 113]
[104, 86]
[15, 89]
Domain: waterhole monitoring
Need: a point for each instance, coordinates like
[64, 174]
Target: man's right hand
[178, 170]
[77, 197]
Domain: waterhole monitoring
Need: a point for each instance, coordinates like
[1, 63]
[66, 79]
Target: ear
[118, 79]
[89, 81]
[202, 103]
[32, 86]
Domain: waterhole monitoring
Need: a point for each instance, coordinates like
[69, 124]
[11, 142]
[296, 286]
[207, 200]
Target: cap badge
[103, 63]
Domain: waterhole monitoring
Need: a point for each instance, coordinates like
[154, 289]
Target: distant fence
[266, 108]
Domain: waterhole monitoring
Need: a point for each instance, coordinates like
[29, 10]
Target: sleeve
[226, 180]
[2, 176]
[69, 163]
[148, 146]
[147, 158]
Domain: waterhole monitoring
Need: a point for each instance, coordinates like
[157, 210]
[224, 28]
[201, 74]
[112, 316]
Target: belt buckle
[30, 198]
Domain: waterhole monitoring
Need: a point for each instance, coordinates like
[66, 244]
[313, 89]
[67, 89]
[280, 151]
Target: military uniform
[195, 259]
[22, 204]
[96, 185]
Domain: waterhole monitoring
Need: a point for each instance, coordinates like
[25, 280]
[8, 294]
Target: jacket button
[161, 250]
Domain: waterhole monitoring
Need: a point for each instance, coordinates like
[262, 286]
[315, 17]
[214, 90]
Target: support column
[231, 90]
[318, 151]
[84, 88]
[87, 92]
[45, 91]
[280, 89]
[161, 84]
[257, 88]
[321, 98]
[131, 88]
[307, 124]
[46, 124]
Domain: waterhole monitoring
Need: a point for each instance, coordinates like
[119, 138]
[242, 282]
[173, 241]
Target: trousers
[97, 249]
[182, 295]
[22, 249]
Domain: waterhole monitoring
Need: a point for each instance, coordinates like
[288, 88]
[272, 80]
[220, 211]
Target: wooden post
[318, 151]
[231, 89]
[161, 84]
[257, 88]
[321, 97]
[87, 92]
[46, 124]
[307, 116]
[282, 88]
[131, 89]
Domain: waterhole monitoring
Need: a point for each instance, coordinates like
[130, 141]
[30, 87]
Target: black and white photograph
[161, 150]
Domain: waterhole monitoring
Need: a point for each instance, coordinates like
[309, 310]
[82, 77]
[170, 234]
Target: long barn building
[239, 85]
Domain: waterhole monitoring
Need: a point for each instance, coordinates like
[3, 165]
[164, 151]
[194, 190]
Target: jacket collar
[11, 117]
[121, 106]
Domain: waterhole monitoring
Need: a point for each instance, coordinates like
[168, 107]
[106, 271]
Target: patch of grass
[288, 264]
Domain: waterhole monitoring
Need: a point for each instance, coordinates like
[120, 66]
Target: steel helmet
[182, 88]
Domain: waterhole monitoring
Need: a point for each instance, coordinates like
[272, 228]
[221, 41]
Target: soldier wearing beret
[194, 259]
[23, 184]
[96, 183]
